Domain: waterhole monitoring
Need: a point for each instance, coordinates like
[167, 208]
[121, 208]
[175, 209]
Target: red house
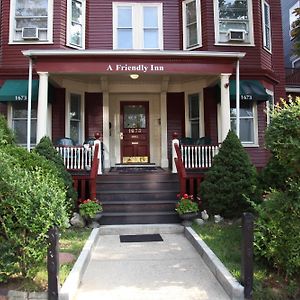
[137, 71]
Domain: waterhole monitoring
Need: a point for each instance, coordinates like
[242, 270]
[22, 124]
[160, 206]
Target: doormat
[129, 170]
[138, 238]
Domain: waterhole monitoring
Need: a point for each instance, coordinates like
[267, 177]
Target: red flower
[185, 196]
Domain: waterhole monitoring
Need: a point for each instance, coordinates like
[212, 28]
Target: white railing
[198, 156]
[79, 157]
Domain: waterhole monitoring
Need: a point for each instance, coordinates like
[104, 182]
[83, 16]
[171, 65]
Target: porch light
[134, 76]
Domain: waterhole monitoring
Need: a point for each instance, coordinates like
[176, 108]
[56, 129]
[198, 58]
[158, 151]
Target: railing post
[100, 152]
[247, 254]
[174, 155]
[53, 264]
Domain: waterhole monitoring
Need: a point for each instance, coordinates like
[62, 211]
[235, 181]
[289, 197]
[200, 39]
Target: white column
[106, 129]
[42, 110]
[225, 106]
[163, 130]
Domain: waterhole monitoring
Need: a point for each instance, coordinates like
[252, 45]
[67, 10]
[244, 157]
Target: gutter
[35, 53]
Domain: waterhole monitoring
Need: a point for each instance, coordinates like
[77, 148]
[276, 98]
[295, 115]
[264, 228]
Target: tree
[296, 31]
[230, 181]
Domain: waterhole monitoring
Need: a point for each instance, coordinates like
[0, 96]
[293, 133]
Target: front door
[134, 132]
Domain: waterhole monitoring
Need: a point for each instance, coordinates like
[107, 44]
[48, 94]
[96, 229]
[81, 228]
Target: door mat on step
[129, 170]
[137, 238]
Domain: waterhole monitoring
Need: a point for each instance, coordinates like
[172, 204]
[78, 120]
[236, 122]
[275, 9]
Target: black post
[53, 264]
[247, 254]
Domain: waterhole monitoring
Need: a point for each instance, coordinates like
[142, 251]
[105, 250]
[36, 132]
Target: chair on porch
[84, 178]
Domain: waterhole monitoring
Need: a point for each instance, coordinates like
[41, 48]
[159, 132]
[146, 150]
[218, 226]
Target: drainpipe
[238, 98]
[29, 104]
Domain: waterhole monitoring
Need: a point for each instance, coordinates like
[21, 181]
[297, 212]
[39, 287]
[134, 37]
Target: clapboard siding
[3, 109]
[58, 114]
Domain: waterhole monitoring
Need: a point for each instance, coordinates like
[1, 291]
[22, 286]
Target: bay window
[31, 21]
[266, 25]
[191, 24]
[233, 22]
[137, 26]
[76, 24]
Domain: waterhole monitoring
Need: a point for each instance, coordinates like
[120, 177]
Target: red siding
[3, 109]
[175, 118]
[93, 114]
[58, 115]
[210, 114]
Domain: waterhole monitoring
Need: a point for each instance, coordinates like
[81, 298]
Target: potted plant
[187, 208]
[90, 210]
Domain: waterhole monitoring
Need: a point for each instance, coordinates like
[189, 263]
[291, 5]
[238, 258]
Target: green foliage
[89, 208]
[274, 175]
[283, 134]
[186, 204]
[296, 32]
[45, 148]
[277, 230]
[31, 201]
[230, 181]
[6, 134]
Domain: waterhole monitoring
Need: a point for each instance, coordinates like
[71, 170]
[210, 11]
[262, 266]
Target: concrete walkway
[167, 270]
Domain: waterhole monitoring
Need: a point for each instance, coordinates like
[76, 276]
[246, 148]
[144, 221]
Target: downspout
[238, 98]
[29, 104]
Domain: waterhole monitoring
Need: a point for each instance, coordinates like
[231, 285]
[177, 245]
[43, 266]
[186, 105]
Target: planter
[188, 218]
[93, 222]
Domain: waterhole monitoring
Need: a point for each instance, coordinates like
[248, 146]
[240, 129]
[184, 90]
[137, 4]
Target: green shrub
[277, 230]
[283, 134]
[230, 181]
[45, 148]
[6, 134]
[31, 201]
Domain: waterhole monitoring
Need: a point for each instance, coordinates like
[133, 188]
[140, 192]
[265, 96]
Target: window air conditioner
[30, 33]
[236, 35]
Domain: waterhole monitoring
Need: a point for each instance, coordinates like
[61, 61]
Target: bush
[283, 134]
[230, 180]
[31, 201]
[277, 230]
[45, 148]
[6, 134]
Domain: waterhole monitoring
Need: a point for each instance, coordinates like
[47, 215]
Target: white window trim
[263, 3]
[268, 107]
[199, 28]
[251, 32]
[253, 144]
[69, 25]
[295, 61]
[137, 22]
[12, 26]
[67, 114]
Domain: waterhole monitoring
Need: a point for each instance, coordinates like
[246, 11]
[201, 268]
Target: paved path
[167, 270]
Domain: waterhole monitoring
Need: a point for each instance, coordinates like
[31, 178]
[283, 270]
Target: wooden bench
[189, 178]
[82, 178]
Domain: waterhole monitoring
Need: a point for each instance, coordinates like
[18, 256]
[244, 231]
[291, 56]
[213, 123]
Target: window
[248, 127]
[191, 24]
[31, 21]
[193, 100]
[270, 105]
[76, 24]
[234, 23]
[19, 122]
[137, 26]
[266, 25]
[293, 16]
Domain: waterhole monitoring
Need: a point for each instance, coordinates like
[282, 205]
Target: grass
[225, 241]
[71, 241]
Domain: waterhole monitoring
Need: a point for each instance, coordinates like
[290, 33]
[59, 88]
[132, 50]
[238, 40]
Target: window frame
[255, 123]
[198, 22]
[68, 117]
[138, 25]
[270, 105]
[266, 26]
[250, 34]
[69, 24]
[12, 28]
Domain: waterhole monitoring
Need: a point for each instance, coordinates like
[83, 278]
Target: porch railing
[194, 156]
[77, 158]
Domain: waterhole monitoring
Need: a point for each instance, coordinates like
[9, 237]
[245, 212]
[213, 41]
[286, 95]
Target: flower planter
[188, 218]
[95, 219]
